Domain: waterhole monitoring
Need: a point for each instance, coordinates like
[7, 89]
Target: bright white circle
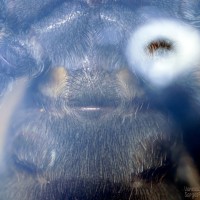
[161, 70]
